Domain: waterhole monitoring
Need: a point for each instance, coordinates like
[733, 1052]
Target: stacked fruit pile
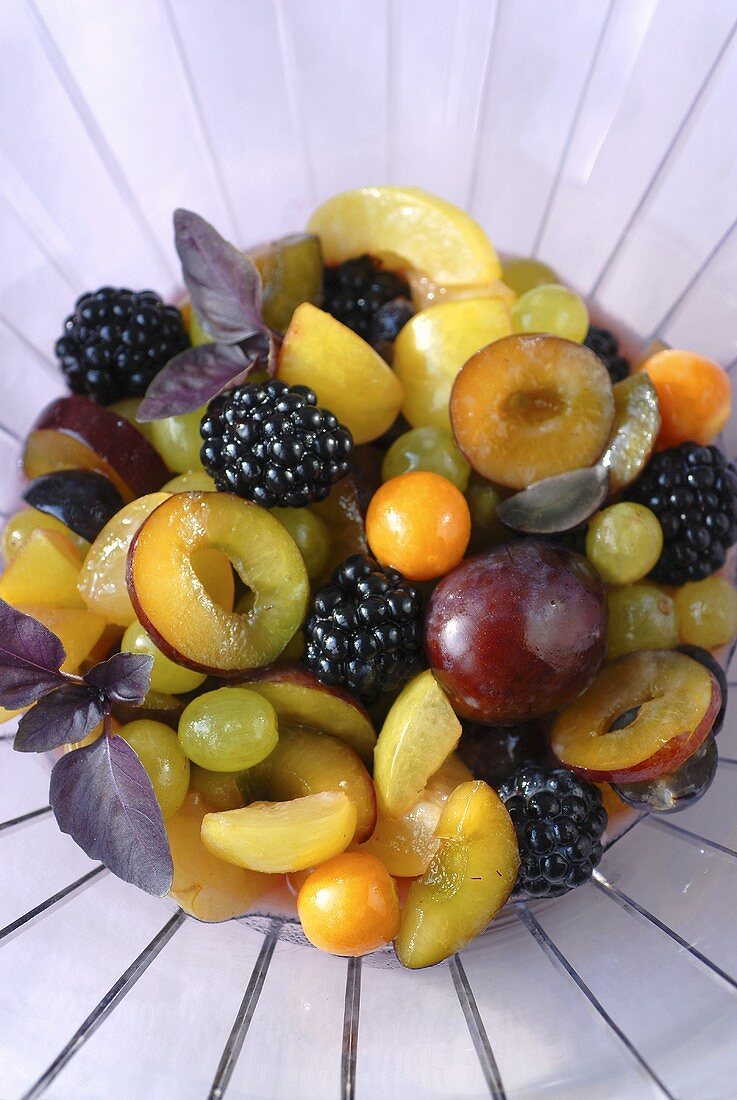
[367, 477]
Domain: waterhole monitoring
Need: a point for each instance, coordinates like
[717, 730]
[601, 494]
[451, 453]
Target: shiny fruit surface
[291, 273]
[45, 570]
[551, 308]
[219, 790]
[166, 676]
[467, 882]
[530, 407]
[228, 729]
[22, 524]
[516, 632]
[624, 542]
[173, 605]
[349, 905]
[640, 616]
[634, 432]
[418, 523]
[675, 701]
[523, 273]
[178, 440]
[158, 749]
[428, 449]
[694, 395]
[707, 612]
[311, 535]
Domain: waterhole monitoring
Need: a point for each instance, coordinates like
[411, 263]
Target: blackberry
[493, 752]
[693, 492]
[605, 344]
[268, 442]
[559, 820]
[358, 293]
[364, 629]
[116, 341]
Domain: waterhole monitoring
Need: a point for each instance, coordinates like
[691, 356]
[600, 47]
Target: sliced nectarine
[204, 886]
[282, 836]
[672, 701]
[348, 376]
[173, 605]
[419, 733]
[467, 882]
[430, 234]
[44, 571]
[529, 407]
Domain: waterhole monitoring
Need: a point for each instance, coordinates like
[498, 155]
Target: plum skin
[517, 632]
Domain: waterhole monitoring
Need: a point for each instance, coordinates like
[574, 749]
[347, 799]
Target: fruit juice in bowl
[375, 584]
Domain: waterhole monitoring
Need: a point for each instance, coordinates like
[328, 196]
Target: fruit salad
[369, 574]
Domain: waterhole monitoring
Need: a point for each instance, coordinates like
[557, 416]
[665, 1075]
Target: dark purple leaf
[60, 718]
[193, 378]
[102, 796]
[30, 658]
[123, 678]
[223, 283]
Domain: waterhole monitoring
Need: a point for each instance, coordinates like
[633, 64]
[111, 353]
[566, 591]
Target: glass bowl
[601, 137]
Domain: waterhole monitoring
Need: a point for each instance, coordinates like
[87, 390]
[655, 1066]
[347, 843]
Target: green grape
[430, 449]
[707, 612]
[554, 309]
[624, 542]
[522, 273]
[311, 535]
[166, 765]
[178, 440]
[219, 790]
[21, 524]
[192, 481]
[166, 676]
[483, 500]
[641, 616]
[228, 730]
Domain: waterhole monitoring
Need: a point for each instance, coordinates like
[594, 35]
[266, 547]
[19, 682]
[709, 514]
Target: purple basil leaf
[102, 796]
[123, 678]
[193, 378]
[30, 659]
[223, 283]
[60, 718]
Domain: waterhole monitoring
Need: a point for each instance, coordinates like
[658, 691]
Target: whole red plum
[517, 632]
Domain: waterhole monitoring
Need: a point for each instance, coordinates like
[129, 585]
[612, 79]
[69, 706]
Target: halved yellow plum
[468, 881]
[282, 836]
[21, 524]
[433, 346]
[419, 733]
[44, 571]
[173, 605]
[430, 234]
[348, 376]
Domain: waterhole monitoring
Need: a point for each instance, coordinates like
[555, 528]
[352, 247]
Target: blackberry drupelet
[605, 344]
[116, 341]
[268, 442]
[693, 492]
[359, 292]
[364, 629]
[559, 820]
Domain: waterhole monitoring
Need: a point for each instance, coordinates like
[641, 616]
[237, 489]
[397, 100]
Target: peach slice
[467, 882]
[78, 631]
[44, 571]
[420, 731]
[348, 376]
[102, 582]
[204, 886]
[282, 836]
[406, 845]
[299, 699]
[675, 701]
[529, 407]
[430, 234]
[75, 433]
[433, 346]
[173, 605]
[305, 762]
[634, 432]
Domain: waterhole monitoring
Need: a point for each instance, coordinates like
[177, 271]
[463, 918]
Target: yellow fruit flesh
[419, 733]
[341, 512]
[433, 346]
[431, 235]
[348, 376]
[204, 886]
[78, 631]
[634, 431]
[23, 523]
[44, 571]
[173, 604]
[47, 450]
[467, 882]
[671, 690]
[282, 836]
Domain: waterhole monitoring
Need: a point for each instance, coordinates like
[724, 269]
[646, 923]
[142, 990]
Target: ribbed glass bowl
[600, 136]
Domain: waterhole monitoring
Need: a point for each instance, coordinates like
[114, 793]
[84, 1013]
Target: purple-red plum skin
[517, 632]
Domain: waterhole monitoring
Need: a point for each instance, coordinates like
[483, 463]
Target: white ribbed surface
[603, 137]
